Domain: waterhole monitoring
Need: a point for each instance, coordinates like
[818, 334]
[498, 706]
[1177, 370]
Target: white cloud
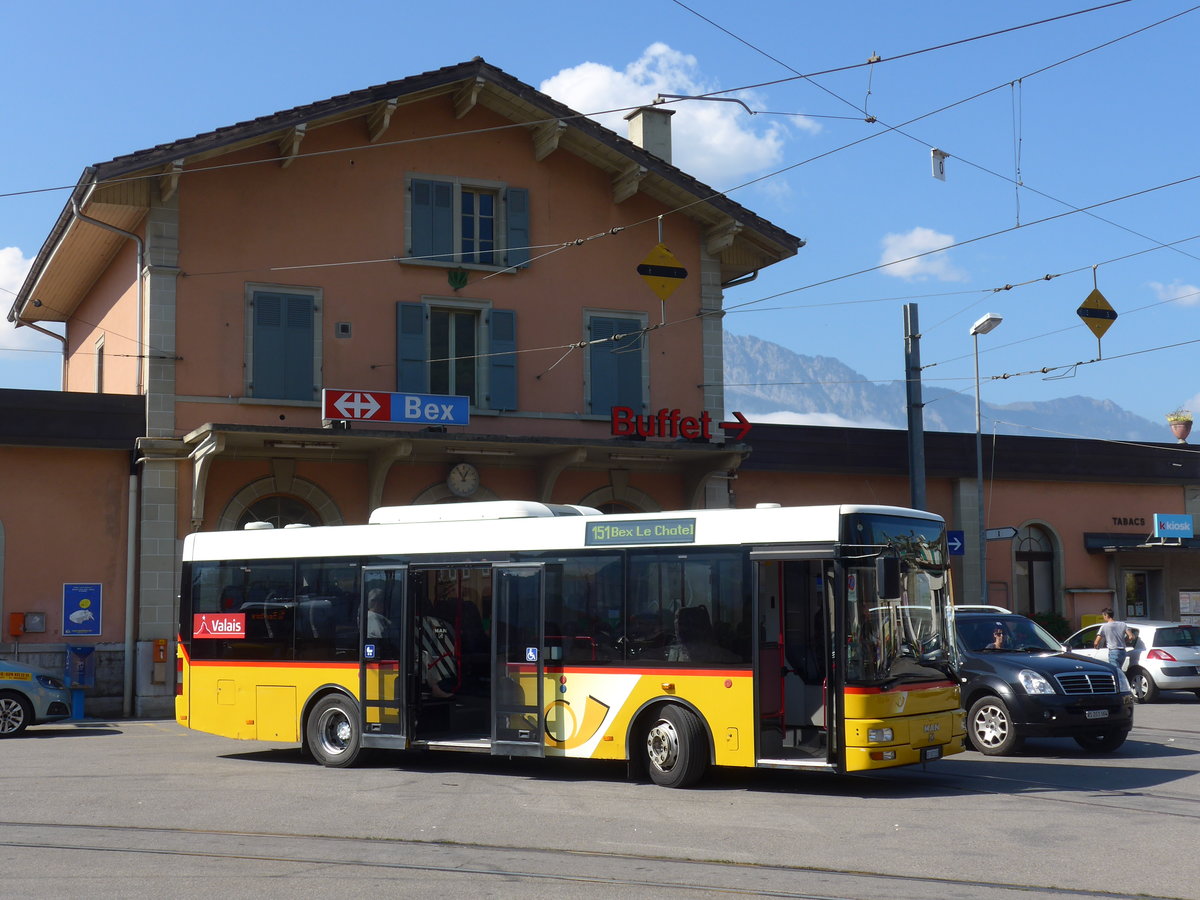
[1179, 291]
[714, 141]
[919, 240]
[13, 268]
[786, 417]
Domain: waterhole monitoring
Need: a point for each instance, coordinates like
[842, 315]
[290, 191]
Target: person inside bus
[377, 623]
[694, 637]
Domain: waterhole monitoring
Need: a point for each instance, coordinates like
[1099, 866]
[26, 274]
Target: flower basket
[1180, 422]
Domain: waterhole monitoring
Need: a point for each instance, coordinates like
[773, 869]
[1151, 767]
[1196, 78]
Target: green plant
[1054, 623]
[1179, 415]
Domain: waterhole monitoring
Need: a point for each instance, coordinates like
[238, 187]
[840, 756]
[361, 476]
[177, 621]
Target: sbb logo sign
[219, 625]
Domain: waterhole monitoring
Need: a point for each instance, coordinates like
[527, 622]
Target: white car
[30, 697]
[1165, 656]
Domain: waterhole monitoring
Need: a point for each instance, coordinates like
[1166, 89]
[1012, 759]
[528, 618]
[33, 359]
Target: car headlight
[1034, 682]
[52, 683]
[1122, 682]
[879, 735]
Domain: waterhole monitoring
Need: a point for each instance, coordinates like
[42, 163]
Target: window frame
[317, 297]
[509, 255]
[495, 355]
[589, 381]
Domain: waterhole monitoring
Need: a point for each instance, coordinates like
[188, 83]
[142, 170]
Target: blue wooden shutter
[432, 219]
[283, 347]
[412, 359]
[616, 366]
[516, 241]
[502, 373]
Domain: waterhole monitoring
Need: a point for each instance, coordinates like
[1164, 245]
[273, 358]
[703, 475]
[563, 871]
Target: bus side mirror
[887, 577]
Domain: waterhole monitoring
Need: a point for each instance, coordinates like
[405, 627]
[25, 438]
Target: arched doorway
[1034, 572]
[303, 503]
[279, 510]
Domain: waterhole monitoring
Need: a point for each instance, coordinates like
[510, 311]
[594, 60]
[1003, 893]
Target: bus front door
[384, 687]
[518, 664]
[792, 656]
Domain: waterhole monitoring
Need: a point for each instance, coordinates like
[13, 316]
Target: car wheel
[1101, 741]
[990, 727]
[16, 712]
[334, 732]
[1144, 688]
[675, 748]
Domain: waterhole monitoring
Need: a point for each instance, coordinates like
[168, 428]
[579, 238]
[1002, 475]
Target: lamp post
[985, 324]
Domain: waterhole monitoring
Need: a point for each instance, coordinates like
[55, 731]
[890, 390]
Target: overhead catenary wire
[557, 248]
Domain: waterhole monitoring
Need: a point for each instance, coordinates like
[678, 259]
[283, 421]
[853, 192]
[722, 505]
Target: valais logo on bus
[219, 625]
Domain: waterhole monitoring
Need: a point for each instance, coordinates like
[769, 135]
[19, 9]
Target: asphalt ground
[149, 809]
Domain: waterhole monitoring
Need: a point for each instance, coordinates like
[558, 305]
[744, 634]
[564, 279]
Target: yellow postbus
[809, 638]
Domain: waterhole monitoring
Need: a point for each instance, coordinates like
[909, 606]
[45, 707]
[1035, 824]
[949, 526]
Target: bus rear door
[384, 686]
[518, 664]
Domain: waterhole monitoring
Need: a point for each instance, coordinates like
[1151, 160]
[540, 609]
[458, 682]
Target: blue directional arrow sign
[956, 543]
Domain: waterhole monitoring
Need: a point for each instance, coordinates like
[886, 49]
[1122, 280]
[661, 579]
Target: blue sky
[86, 82]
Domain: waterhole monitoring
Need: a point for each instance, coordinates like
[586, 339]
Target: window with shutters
[617, 363]
[458, 348]
[283, 343]
[467, 223]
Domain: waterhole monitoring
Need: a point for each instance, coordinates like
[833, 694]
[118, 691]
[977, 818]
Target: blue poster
[82, 607]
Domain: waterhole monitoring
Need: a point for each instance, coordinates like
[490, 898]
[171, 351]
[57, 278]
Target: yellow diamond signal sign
[662, 271]
[1096, 313]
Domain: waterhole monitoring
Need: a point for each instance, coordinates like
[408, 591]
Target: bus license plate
[1096, 713]
[928, 753]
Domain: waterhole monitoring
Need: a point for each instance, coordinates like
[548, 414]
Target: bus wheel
[675, 748]
[334, 732]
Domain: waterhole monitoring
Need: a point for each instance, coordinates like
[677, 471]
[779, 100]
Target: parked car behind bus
[1165, 656]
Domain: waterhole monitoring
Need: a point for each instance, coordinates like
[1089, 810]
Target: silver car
[29, 697]
[1165, 656]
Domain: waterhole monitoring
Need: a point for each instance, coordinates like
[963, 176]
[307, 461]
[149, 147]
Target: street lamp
[985, 324]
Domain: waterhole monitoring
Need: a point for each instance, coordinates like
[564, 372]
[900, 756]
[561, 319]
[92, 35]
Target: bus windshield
[900, 639]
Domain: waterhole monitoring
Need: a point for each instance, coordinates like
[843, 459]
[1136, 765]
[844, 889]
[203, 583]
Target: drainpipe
[130, 597]
[132, 530]
[61, 338]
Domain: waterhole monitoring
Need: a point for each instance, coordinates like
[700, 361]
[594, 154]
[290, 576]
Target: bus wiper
[907, 677]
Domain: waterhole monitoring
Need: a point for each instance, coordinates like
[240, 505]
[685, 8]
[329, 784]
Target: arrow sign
[357, 405]
[662, 271]
[740, 428]
[1096, 313]
[1000, 534]
[956, 543]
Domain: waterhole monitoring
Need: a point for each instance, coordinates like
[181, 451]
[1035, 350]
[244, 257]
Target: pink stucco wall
[78, 537]
[238, 223]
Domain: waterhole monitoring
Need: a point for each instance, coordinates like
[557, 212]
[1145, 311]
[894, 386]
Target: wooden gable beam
[168, 181]
[380, 118]
[465, 99]
[720, 237]
[626, 182]
[546, 137]
[289, 145]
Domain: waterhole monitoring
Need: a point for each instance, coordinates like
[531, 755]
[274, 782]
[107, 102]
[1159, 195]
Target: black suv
[1017, 682]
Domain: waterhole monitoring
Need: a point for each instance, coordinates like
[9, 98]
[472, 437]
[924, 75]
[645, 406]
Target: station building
[447, 288]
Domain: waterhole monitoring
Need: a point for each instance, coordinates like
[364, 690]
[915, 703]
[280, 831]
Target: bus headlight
[1034, 683]
[879, 735]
